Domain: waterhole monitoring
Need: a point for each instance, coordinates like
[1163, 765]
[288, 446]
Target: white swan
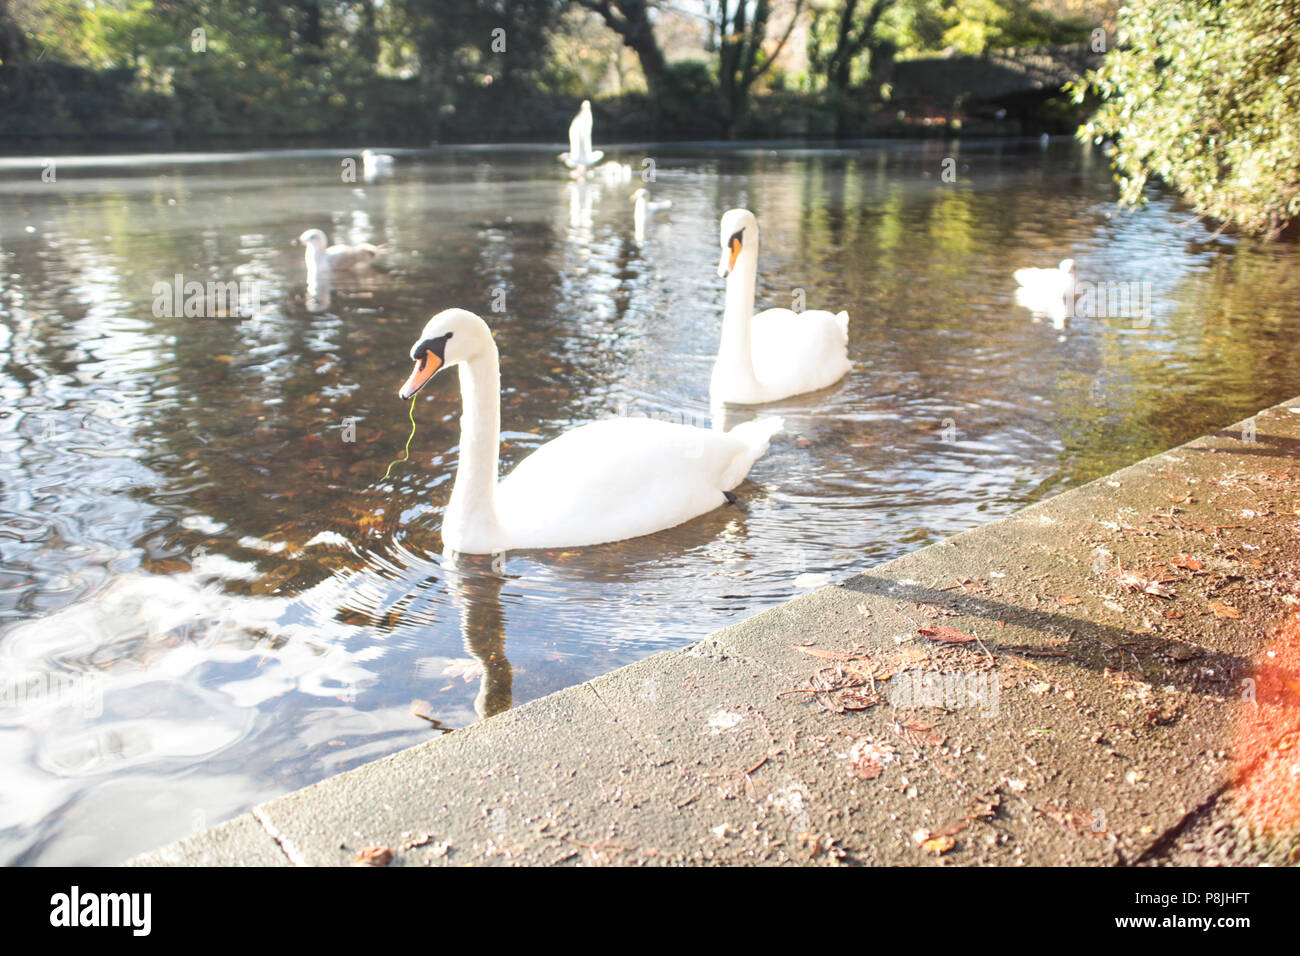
[324, 260]
[777, 353]
[581, 157]
[1049, 292]
[604, 481]
[643, 208]
[374, 165]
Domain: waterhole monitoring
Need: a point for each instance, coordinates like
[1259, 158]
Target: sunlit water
[209, 597]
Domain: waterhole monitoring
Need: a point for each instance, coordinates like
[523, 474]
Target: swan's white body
[1049, 292]
[605, 481]
[777, 353]
[374, 165]
[643, 208]
[581, 157]
[324, 260]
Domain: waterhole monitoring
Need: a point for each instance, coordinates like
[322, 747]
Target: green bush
[1206, 96]
[686, 96]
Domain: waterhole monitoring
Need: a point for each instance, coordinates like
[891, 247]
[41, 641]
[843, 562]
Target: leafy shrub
[1206, 96]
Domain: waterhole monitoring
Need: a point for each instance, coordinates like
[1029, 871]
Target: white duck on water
[607, 480]
[374, 165]
[643, 208]
[581, 157]
[777, 353]
[324, 260]
[1049, 292]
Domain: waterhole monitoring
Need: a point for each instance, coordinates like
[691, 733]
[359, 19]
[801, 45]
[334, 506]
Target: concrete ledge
[1093, 709]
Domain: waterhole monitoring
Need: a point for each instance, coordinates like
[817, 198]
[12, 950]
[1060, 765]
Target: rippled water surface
[208, 596]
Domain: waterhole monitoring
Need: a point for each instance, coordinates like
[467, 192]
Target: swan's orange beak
[425, 367]
[729, 256]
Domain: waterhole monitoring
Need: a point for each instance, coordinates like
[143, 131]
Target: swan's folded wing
[615, 479]
[802, 351]
[1032, 278]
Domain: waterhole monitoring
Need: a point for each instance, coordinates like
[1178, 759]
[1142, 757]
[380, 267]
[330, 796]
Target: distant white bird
[1049, 292]
[581, 157]
[325, 260]
[643, 208]
[374, 165]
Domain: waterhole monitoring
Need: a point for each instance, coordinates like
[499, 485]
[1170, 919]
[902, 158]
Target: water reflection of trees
[924, 268]
[243, 422]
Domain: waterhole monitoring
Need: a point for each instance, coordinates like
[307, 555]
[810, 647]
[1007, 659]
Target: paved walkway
[1108, 677]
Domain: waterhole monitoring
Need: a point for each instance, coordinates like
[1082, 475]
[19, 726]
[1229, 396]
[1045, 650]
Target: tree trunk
[630, 19]
[368, 35]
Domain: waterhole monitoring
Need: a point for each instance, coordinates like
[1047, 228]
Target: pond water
[209, 593]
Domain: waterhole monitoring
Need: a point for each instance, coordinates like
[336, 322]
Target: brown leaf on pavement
[939, 845]
[818, 652]
[945, 635]
[867, 758]
[374, 856]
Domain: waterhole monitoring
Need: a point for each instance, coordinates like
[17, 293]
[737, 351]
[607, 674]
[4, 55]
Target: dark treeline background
[416, 71]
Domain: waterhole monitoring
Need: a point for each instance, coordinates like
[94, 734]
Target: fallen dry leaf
[1067, 599]
[945, 635]
[374, 856]
[837, 691]
[818, 652]
[1187, 563]
[867, 758]
[1224, 610]
[939, 845]
[914, 731]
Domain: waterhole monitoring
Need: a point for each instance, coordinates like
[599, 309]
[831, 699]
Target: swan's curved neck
[473, 501]
[735, 353]
[315, 261]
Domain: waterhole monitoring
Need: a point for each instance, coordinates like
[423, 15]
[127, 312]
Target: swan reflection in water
[474, 584]
[582, 197]
[318, 291]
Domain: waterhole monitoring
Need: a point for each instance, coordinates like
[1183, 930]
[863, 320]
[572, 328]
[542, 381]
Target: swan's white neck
[315, 262]
[735, 353]
[472, 509]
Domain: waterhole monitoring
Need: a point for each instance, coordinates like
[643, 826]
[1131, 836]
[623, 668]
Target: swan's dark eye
[437, 346]
[736, 238]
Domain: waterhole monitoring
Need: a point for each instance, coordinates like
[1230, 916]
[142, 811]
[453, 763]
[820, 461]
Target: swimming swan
[604, 481]
[643, 208]
[581, 156]
[777, 353]
[323, 259]
[1048, 292]
[374, 165]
